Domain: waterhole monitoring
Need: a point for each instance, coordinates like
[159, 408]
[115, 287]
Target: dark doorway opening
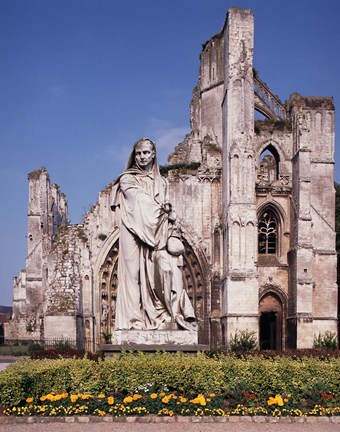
[268, 331]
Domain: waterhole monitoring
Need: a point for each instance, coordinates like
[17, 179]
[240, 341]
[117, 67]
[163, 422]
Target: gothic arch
[276, 208]
[273, 315]
[103, 265]
[271, 223]
[272, 143]
[195, 279]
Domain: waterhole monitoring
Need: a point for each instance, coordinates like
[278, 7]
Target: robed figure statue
[150, 285]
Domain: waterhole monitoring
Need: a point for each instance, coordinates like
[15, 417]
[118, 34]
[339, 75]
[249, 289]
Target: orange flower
[166, 399]
[110, 400]
[74, 398]
[101, 396]
[199, 400]
[127, 399]
[154, 396]
[29, 400]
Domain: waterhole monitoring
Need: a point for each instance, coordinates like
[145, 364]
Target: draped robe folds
[150, 286]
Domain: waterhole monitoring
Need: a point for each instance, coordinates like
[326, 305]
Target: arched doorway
[194, 280]
[271, 322]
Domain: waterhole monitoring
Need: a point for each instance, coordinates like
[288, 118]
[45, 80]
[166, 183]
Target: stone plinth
[154, 337]
[154, 340]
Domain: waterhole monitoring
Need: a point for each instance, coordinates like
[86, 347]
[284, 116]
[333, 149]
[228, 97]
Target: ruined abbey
[256, 203]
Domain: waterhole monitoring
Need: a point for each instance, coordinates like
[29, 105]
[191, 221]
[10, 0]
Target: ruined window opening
[269, 166]
[267, 233]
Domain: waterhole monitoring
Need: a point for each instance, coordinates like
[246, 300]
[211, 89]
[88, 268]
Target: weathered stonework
[256, 203]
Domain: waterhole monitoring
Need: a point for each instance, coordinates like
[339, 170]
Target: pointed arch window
[267, 233]
[269, 166]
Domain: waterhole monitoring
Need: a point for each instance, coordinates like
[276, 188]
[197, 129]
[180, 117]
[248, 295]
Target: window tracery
[267, 233]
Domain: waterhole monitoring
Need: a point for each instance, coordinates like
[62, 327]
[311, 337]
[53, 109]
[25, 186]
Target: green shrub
[239, 378]
[243, 340]
[325, 340]
[62, 344]
[34, 347]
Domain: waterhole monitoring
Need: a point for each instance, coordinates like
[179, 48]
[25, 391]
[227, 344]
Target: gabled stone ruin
[256, 202]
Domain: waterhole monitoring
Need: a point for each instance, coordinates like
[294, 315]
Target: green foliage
[325, 340]
[237, 377]
[106, 336]
[183, 168]
[62, 344]
[271, 125]
[243, 340]
[35, 347]
[255, 73]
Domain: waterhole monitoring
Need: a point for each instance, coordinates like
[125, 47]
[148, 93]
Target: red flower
[252, 395]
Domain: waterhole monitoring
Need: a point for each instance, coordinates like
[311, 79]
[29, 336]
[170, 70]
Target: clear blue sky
[81, 80]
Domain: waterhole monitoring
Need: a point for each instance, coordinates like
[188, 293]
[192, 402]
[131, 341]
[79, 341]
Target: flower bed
[163, 404]
[172, 384]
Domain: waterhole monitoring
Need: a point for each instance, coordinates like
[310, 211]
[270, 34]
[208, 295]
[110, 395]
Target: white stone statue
[150, 286]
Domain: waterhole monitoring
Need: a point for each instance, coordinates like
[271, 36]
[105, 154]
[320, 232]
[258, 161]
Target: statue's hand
[172, 216]
[167, 207]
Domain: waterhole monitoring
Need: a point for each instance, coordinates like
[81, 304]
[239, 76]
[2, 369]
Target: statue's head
[144, 153]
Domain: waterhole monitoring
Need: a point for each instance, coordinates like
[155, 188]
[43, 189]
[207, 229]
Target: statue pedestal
[154, 337]
[154, 340]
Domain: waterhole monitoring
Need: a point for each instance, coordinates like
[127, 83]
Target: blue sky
[82, 80]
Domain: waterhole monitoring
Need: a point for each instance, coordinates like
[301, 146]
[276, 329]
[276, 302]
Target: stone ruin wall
[47, 212]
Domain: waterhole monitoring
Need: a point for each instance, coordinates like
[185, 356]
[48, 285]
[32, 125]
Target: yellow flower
[127, 399]
[182, 399]
[199, 400]
[74, 398]
[212, 395]
[29, 400]
[101, 396]
[277, 400]
[166, 399]
[110, 400]
[162, 394]
[136, 397]
[43, 398]
[153, 395]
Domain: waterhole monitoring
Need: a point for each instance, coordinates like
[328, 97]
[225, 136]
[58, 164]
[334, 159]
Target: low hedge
[249, 381]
